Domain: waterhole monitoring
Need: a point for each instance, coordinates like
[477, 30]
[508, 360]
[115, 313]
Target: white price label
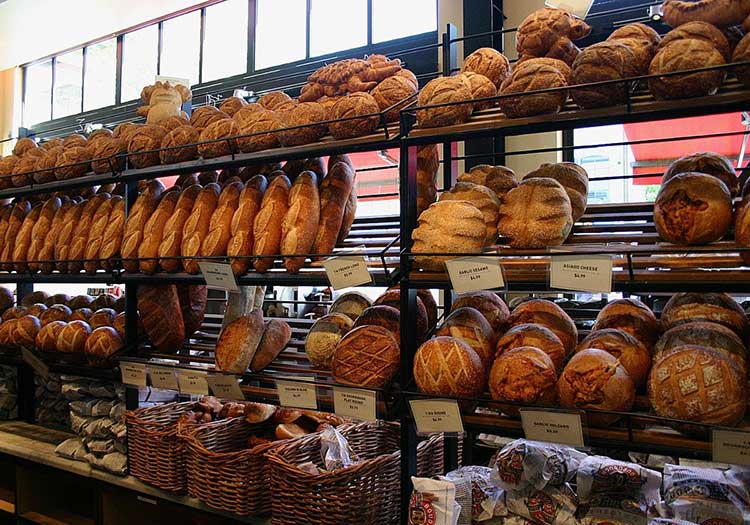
[473, 274]
[193, 382]
[34, 362]
[582, 273]
[347, 271]
[225, 386]
[175, 81]
[580, 8]
[355, 403]
[437, 415]
[162, 377]
[297, 395]
[731, 446]
[219, 276]
[133, 374]
[553, 427]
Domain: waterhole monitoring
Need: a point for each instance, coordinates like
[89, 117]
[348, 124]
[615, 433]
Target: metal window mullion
[52, 88]
[202, 45]
[24, 85]
[252, 17]
[307, 28]
[84, 52]
[118, 70]
[369, 22]
[159, 46]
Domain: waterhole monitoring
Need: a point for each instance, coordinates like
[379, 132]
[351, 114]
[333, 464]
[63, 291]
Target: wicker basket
[366, 493]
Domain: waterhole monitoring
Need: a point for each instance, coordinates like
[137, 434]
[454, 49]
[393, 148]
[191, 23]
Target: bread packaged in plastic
[487, 500]
[523, 463]
[551, 506]
[433, 501]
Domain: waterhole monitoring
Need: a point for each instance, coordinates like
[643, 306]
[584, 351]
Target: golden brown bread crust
[741, 54]
[81, 314]
[549, 32]
[171, 241]
[206, 115]
[550, 315]
[185, 136]
[112, 238]
[699, 30]
[392, 297]
[682, 55]
[693, 208]
[323, 337]
[335, 190]
[220, 227]
[108, 155]
[15, 222]
[448, 227]
[469, 325]
[46, 164]
[36, 309]
[46, 339]
[232, 105]
[497, 178]
[73, 162]
[268, 222]
[709, 163]
[490, 305]
[704, 333]
[276, 336]
[75, 140]
[627, 349]
[39, 232]
[534, 75]
[428, 163]
[98, 228]
[480, 87]
[381, 315]
[367, 356]
[56, 312]
[22, 172]
[173, 122]
[390, 92]
[238, 342]
[241, 243]
[120, 129]
[254, 127]
[353, 105]
[523, 375]
[63, 240]
[300, 223]
[23, 238]
[449, 367]
[444, 90]
[216, 132]
[718, 308]
[23, 146]
[723, 13]
[72, 337]
[632, 316]
[193, 306]
[103, 342]
[307, 114]
[573, 179]
[637, 31]
[102, 317]
[604, 61]
[488, 62]
[196, 226]
[132, 236]
[159, 309]
[483, 199]
[25, 331]
[247, 111]
[537, 336]
[153, 231]
[7, 164]
[273, 99]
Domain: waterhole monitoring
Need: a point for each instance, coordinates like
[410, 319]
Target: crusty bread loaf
[427, 168]
[469, 325]
[132, 236]
[196, 227]
[537, 336]
[485, 201]
[83, 228]
[220, 227]
[573, 178]
[241, 244]
[112, 237]
[276, 336]
[4, 221]
[448, 227]
[23, 239]
[632, 316]
[267, 224]
[171, 240]
[65, 237]
[549, 315]
[631, 353]
[238, 342]
[193, 306]
[15, 221]
[448, 367]
[366, 356]
[96, 234]
[41, 228]
[153, 230]
[350, 212]
[334, 193]
[159, 308]
[300, 223]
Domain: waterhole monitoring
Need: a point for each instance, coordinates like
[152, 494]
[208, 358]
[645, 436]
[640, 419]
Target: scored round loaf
[232, 105]
[448, 227]
[410, 76]
[638, 31]
[643, 51]
[98, 134]
[108, 155]
[632, 316]
[103, 342]
[25, 331]
[469, 325]
[550, 315]
[351, 304]
[309, 115]
[481, 87]
[642, 41]
[206, 115]
[46, 339]
[444, 90]
[536, 214]
[185, 136]
[22, 172]
[523, 375]
[708, 163]
[80, 301]
[119, 324]
[695, 383]
[56, 312]
[382, 315]
[102, 317]
[573, 179]
[683, 55]
[390, 93]
[51, 143]
[323, 337]
[367, 356]
[446, 366]
[36, 309]
[549, 32]
[699, 30]
[427, 299]
[704, 333]
[354, 105]
[142, 145]
[490, 63]
[693, 208]
[605, 61]
[75, 140]
[121, 129]
[490, 305]
[741, 53]
[481, 197]
[14, 312]
[174, 122]
[497, 178]
[288, 105]
[73, 162]
[328, 102]
[392, 298]
[719, 308]
[46, 165]
[536, 335]
[128, 132]
[23, 146]
[254, 126]
[565, 70]
[6, 331]
[72, 338]
[273, 99]
[635, 357]
[533, 76]
[81, 314]
[219, 129]
[6, 170]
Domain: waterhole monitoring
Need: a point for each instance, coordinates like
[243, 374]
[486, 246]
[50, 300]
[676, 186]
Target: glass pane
[395, 18]
[280, 32]
[37, 105]
[336, 25]
[225, 45]
[139, 52]
[99, 82]
[68, 84]
[180, 52]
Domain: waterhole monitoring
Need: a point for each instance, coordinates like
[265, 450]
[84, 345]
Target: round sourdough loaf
[323, 337]
[469, 325]
[367, 356]
[488, 62]
[392, 297]
[610, 60]
[448, 227]
[103, 342]
[46, 339]
[481, 87]
[72, 338]
[484, 199]
[108, 155]
[381, 315]
[232, 105]
[390, 92]
[143, 144]
[445, 90]
[684, 55]
[354, 105]
[627, 349]
[535, 74]
[222, 135]
[632, 316]
[448, 367]
[56, 312]
[714, 307]
[185, 136]
[573, 179]
[490, 305]
[708, 163]
[26, 330]
[351, 304]
[699, 30]
[537, 336]
[549, 315]
[523, 375]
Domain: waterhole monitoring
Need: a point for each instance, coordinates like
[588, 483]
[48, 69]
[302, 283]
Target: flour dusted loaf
[443, 90]
[699, 30]
[481, 87]
[324, 336]
[390, 93]
[240, 245]
[481, 197]
[488, 62]
[448, 227]
[197, 225]
[573, 179]
[181, 144]
[354, 105]
[448, 367]
[550, 315]
[276, 336]
[642, 40]
[632, 316]
[497, 178]
[537, 336]
[631, 353]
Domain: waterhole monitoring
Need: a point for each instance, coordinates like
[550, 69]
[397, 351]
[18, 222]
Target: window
[336, 25]
[393, 19]
[180, 53]
[37, 106]
[66, 99]
[139, 55]
[100, 76]
[280, 34]
[225, 45]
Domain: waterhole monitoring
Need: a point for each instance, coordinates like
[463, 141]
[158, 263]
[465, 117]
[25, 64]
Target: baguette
[23, 239]
[47, 249]
[220, 228]
[83, 228]
[153, 231]
[68, 228]
[17, 216]
[350, 212]
[334, 194]
[4, 220]
[171, 241]
[112, 238]
[39, 233]
[267, 223]
[132, 236]
[241, 243]
[196, 227]
[301, 220]
[96, 234]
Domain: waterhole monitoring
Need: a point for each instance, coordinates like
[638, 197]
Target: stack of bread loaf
[251, 343]
[488, 202]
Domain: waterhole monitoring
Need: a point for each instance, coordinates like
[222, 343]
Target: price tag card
[553, 427]
[580, 8]
[347, 271]
[193, 382]
[297, 395]
[225, 386]
[133, 374]
[473, 274]
[219, 276]
[162, 377]
[175, 81]
[34, 362]
[355, 403]
[437, 415]
[731, 446]
[582, 273]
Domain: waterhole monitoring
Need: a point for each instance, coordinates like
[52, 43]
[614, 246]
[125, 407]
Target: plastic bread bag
[551, 506]
[521, 463]
[69, 447]
[335, 450]
[83, 407]
[488, 500]
[433, 502]
[463, 498]
[669, 521]
[602, 476]
[117, 412]
[513, 520]
[102, 407]
[615, 510]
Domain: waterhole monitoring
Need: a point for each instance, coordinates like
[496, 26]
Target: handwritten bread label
[355, 403]
[193, 382]
[225, 386]
[580, 8]
[133, 374]
[175, 81]
[473, 274]
[582, 273]
[163, 377]
[297, 395]
[437, 415]
[553, 427]
[347, 271]
[34, 362]
[219, 276]
[731, 446]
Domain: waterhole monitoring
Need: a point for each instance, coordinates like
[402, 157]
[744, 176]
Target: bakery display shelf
[76, 365]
